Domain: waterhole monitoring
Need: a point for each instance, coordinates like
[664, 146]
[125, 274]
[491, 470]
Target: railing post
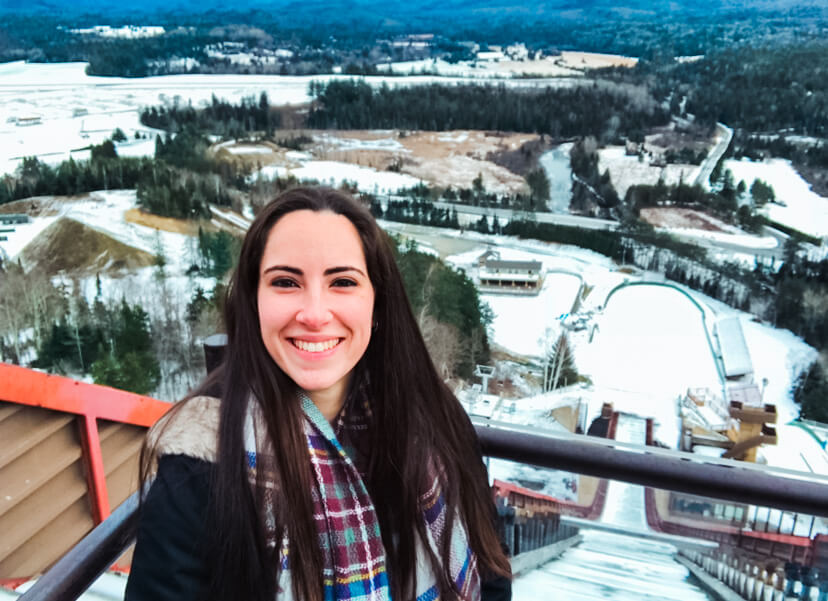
[214, 350]
[791, 577]
[808, 576]
[823, 590]
[95, 473]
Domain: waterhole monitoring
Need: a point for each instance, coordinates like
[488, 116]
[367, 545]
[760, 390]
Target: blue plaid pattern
[354, 567]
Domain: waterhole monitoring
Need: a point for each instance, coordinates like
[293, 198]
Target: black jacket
[168, 563]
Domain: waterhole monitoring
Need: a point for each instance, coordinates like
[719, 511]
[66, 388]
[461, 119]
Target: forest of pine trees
[602, 110]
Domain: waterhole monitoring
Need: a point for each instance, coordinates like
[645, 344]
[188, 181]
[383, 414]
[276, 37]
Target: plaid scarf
[354, 565]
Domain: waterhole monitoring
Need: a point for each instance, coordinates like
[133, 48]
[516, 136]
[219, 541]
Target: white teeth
[316, 347]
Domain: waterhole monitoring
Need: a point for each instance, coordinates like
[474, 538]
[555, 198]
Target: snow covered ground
[525, 324]
[334, 173]
[806, 210]
[76, 109]
[611, 566]
[645, 348]
[626, 171]
[567, 64]
[519, 320]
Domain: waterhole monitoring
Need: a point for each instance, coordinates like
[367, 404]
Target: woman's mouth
[315, 347]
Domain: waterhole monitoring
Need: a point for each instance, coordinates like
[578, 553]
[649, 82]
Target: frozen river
[556, 165]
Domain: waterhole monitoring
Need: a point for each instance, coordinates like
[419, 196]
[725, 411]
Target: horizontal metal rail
[80, 567]
[656, 467]
[647, 466]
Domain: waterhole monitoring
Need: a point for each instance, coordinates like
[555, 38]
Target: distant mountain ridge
[420, 10]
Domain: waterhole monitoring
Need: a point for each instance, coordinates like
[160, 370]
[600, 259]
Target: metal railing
[592, 456]
[649, 466]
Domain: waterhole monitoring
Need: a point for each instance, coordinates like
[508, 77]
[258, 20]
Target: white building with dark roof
[514, 277]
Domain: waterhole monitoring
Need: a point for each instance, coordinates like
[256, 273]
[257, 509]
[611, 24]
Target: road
[725, 135]
[589, 223]
[592, 223]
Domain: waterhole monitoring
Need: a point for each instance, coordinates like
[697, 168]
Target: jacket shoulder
[190, 428]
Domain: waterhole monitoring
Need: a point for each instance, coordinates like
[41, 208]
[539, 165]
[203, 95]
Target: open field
[69, 110]
[567, 64]
[674, 217]
[385, 160]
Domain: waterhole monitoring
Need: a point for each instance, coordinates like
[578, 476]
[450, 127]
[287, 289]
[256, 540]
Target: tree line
[101, 172]
[604, 110]
[219, 117]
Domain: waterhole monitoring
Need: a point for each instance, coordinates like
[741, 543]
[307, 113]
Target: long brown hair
[416, 422]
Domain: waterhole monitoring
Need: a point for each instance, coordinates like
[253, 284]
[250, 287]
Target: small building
[13, 219]
[26, 121]
[521, 277]
[490, 56]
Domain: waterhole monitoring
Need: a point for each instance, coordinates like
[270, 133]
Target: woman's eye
[344, 282]
[283, 283]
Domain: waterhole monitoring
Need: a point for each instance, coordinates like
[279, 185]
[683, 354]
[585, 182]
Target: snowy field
[75, 109]
[806, 210]
[334, 173]
[525, 324]
[649, 348]
[567, 64]
[648, 345]
[626, 171]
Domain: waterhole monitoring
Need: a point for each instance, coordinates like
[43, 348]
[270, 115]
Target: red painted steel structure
[90, 403]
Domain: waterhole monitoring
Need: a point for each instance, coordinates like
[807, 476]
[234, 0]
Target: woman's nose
[314, 311]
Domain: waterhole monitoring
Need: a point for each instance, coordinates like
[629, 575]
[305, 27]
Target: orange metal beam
[90, 403]
[28, 387]
[95, 473]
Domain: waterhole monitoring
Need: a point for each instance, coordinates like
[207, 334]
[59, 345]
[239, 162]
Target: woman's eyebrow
[333, 270]
[329, 271]
[292, 270]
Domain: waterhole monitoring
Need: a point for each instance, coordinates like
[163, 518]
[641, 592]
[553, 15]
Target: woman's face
[315, 302]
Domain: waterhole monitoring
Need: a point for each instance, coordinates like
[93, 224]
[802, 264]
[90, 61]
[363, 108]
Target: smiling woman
[336, 464]
[315, 303]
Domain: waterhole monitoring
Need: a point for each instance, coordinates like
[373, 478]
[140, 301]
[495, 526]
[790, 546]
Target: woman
[336, 464]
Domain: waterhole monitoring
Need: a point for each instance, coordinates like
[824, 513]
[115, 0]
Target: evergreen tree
[559, 366]
[810, 391]
[538, 186]
[130, 363]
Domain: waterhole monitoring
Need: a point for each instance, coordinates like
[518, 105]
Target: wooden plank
[38, 465]
[41, 507]
[8, 409]
[50, 543]
[26, 429]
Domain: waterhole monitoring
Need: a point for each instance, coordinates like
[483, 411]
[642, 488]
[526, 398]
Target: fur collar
[190, 428]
